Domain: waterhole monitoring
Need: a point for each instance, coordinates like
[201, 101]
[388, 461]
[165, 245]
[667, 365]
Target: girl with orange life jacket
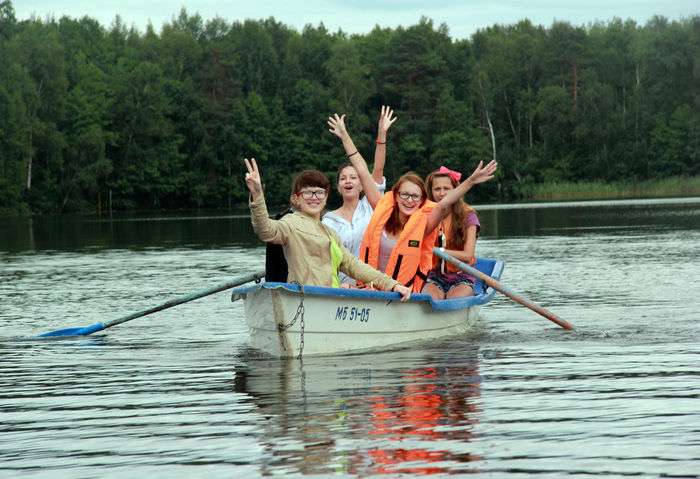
[402, 231]
[396, 241]
[457, 237]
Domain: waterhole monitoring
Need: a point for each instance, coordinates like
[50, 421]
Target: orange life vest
[412, 257]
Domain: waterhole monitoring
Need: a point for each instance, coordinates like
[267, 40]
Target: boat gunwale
[386, 296]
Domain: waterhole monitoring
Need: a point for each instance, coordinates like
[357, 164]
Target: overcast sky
[463, 17]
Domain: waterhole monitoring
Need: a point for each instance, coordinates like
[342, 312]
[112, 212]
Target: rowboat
[288, 320]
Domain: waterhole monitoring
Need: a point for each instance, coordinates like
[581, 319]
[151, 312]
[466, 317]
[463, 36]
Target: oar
[502, 289]
[84, 331]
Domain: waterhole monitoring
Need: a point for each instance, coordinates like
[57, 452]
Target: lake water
[181, 394]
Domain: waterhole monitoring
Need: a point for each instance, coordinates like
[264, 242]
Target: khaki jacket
[306, 244]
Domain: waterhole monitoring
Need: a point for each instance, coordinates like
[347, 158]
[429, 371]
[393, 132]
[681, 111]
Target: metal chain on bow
[300, 316]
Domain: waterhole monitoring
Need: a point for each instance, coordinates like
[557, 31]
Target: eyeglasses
[308, 194]
[409, 196]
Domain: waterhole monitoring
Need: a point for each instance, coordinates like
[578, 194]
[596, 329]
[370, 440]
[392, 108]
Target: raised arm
[337, 127]
[270, 231]
[480, 175]
[386, 119]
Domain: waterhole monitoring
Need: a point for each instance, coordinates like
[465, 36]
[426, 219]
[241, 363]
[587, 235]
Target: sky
[463, 17]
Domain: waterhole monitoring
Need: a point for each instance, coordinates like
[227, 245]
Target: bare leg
[459, 291]
[433, 291]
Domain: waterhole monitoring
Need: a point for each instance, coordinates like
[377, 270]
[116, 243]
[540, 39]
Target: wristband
[381, 142]
[351, 154]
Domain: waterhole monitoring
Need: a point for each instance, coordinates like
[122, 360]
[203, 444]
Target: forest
[95, 117]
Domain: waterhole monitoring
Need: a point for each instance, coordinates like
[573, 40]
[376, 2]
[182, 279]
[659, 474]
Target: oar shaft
[84, 331]
[187, 298]
[502, 289]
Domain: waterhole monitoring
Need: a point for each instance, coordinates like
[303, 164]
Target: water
[180, 393]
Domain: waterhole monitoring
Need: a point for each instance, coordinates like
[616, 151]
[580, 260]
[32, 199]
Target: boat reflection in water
[406, 411]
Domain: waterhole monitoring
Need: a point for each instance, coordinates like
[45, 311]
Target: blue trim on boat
[493, 268]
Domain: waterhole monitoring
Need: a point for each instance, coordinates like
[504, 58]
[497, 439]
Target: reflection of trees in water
[385, 415]
[69, 233]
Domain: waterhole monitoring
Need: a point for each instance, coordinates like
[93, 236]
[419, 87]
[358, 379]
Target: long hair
[458, 213]
[394, 224]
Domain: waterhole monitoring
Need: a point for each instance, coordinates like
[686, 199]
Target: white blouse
[352, 232]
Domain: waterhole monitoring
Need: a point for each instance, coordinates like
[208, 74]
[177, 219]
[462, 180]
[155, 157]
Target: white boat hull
[336, 321]
[337, 325]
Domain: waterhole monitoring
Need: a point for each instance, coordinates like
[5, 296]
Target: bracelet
[351, 154]
[381, 142]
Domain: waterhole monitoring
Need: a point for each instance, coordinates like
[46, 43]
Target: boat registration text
[347, 313]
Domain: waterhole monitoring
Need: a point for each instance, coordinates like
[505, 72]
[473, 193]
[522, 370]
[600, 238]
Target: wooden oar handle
[502, 289]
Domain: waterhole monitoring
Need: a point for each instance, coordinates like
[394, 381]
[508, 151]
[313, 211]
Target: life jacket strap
[397, 267]
[418, 274]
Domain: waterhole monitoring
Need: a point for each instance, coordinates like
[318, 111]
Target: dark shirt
[276, 269]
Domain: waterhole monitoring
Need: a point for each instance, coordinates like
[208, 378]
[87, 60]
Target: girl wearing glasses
[313, 251]
[457, 235]
[402, 232]
[351, 219]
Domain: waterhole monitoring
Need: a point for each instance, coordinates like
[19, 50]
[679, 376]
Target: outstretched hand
[483, 173]
[252, 177]
[337, 125]
[386, 119]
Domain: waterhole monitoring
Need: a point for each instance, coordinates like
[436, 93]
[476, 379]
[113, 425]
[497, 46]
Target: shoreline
[674, 187]
[549, 194]
[242, 211]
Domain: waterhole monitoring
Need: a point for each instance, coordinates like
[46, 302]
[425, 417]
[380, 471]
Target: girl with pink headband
[457, 237]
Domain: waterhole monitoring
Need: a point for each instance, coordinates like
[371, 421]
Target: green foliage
[599, 190]
[92, 113]
[8, 21]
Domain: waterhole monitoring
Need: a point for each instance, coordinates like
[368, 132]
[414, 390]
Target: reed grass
[598, 190]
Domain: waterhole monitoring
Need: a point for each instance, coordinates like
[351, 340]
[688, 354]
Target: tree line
[92, 116]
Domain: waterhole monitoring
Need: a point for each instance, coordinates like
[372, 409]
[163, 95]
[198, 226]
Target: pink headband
[455, 175]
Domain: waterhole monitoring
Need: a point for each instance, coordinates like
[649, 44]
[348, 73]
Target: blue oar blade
[84, 331]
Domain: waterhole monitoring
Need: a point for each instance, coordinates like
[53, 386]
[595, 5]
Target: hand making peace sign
[252, 178]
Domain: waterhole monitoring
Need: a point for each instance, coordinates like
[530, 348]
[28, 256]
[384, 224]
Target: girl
[351, 219]
[402, 231]
[457, 237]
[314, 253]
